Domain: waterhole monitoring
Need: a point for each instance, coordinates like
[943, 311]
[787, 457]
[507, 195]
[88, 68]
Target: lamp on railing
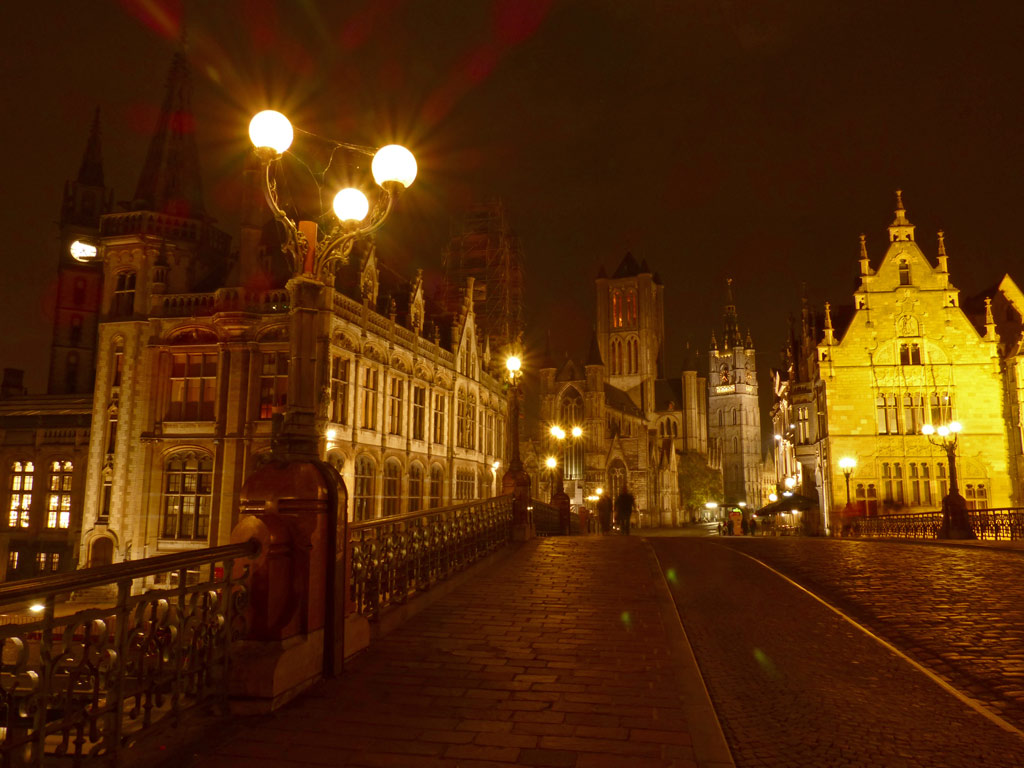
[955, 522]
[313, 257]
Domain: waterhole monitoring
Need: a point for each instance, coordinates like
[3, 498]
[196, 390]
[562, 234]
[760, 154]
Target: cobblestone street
[796, 685]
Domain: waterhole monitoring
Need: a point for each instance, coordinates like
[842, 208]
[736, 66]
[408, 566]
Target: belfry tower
[79, 274]
[733, 413]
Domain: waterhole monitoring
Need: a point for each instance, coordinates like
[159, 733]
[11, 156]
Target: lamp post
[515, 481]
[955, 522]
[847, 464]
[313, 256]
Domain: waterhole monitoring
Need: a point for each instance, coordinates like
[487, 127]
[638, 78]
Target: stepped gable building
[735, 418]
[190, 343]
[635, 421]
[862, 381]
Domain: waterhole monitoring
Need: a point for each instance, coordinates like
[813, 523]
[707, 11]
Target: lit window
[362, 500]
[415, 487]
[273, 383]
[419, 409]
[463, 485]
[370, 383]
[392, 488]
[12, 560]
[436, 486]
[20, 503]
[617, 318]
[339, 390]
[439, 407]
[395, 406]
[188, 492]
[58, 505]
[193, 386]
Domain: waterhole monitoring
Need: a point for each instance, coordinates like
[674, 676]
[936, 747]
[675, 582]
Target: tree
[698, 483]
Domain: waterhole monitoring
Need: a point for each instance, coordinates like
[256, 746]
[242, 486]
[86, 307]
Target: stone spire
[830, 334]
[943, 258]
[990, 322]
[901, 228]
[732, 324]
[594, 353]
[865, 263]
[90, 172]
[170, 181]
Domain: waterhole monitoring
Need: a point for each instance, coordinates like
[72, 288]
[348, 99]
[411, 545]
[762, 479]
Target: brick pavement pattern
[958, 611]
[796, 685]
[558, 656]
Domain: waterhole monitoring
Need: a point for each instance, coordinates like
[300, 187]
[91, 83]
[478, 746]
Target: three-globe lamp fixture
[393, 168]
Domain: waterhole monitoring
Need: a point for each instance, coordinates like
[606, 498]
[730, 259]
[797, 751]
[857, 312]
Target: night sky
[752, 140]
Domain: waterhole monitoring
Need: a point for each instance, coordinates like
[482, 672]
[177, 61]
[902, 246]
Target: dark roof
[569, 372]
[627, 267]
[620, 401]
[90, 172]
[668, 391]
[594, 353]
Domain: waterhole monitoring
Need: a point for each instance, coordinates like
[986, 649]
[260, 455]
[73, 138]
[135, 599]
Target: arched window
[19, 505]
[721, 418]
[634, 355]
[661, 429]
[471, 422]
[733, 414]
[117, 364]
[362, 499]
[616, 478]
[675, 428]
[631, 307]
[461, 428]
[124, 295]
[415, 487]
[58, 502]
[188, 491]
[617, 358]
[391, 496]
[436, 486]
[617, 319]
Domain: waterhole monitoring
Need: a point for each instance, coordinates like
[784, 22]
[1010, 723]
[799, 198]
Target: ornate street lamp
[515, 481]
[313, 258]
[955, 522]
[847, 464]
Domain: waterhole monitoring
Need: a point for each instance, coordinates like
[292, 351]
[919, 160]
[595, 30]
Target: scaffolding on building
[483, 246]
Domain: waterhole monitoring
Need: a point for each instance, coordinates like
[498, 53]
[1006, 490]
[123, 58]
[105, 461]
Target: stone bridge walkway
[567, 652]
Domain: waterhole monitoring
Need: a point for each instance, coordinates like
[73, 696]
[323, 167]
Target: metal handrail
[406, 516]
[44, 586]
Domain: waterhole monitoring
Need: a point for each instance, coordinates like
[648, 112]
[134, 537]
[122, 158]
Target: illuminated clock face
[83, 251]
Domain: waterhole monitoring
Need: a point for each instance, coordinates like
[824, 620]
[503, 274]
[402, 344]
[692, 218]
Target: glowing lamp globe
[955, 426]
[927, 429]
[513, 364]
[558, 433]
[577, 432]
[599, 491]
[551, 462]
[773, 497]
[351, 205]
[847, 463]
[394, 163]
[272, 130]
[943, 430]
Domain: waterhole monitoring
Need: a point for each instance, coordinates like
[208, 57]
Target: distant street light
[847, 464]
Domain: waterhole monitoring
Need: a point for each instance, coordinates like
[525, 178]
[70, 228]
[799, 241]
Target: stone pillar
[295, 586]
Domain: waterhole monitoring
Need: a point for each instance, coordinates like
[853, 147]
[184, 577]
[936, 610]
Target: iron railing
[394, 558]
[78, 684]
[998, 524]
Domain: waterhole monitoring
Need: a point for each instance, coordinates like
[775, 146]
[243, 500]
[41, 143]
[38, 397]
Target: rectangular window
[982, 496]
[969, 495]
[910, 354]
[803, 425]
[273, 383]
[913, 414]
[419, 407]
[941, 408]
[339, 390]
[395, 406]
[943, 480]
[439, 406]
[898, 473]
[915, 485]
[58, 503]
[489, 445]
[926, 484]
[193, 386]
[370, 378]
[54, 561]
[20, 501]
[887, 483]
[12, 560]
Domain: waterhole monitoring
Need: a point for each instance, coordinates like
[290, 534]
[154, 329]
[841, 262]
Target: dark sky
[752, 140]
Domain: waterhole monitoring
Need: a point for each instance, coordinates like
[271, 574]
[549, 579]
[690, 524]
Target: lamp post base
[955, 522]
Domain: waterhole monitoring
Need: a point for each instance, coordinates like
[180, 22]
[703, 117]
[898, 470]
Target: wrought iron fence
[546, 519]
[78, 684]
[394, 558]
[998, 524]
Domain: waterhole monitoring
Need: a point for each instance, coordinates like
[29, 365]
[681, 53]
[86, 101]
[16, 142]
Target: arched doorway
[616, 477]
[101, 552]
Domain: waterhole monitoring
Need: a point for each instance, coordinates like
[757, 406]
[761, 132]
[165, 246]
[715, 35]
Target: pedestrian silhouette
[624, 510]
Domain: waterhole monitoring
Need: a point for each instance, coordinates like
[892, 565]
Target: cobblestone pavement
[562, 655]
[796, 685]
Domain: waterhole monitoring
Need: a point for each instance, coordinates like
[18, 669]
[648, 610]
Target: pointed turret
[90, 172]
[830, 334]
[865, 263]
[943, 258]
[901, 228]
[170, 181]
[990, 322]
[86, 198]
[732, 324]
[594, 354]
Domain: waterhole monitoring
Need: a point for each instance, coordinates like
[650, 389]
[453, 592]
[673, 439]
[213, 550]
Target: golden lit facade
[909, 356]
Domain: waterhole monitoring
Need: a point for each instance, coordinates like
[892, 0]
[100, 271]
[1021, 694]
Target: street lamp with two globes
[956, 523]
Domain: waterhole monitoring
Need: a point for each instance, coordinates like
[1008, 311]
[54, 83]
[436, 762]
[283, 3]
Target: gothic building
[634, 421]
[735, 418]
[863, 380]
[170, 364]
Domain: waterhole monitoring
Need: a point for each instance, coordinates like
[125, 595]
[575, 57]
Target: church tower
[79, 274]
[735, 419]
[631, 330]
